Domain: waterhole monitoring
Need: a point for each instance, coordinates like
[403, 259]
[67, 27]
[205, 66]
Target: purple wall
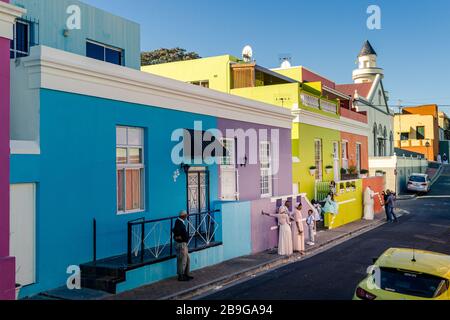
[7, 264]
[265, 229]
[249, 176]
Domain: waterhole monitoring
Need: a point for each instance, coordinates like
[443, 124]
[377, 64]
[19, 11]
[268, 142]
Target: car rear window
[410, 283]
[417, 179]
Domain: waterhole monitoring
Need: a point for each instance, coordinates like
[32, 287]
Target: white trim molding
[341, 124]
[24, 147]
[8, 15]
[54, 69]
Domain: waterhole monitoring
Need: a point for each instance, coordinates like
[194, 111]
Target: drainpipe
[8, 15]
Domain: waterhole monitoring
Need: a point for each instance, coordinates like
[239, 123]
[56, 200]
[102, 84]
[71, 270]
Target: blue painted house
[95, 180]
[76, 27]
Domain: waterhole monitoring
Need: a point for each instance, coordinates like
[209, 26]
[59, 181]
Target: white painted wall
[25, 103]
[23, 231]
[405, 166]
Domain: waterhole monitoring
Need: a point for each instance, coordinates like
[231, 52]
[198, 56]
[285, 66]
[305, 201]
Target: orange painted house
[417, 130]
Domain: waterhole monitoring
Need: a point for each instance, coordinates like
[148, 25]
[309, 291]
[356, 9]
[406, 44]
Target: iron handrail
[142, 223]
[137, 222]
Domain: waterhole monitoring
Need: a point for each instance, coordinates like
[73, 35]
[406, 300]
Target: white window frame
[358, 156]
[344, 154]
[319, 169]
[265, 168]
[200, 83]
[130, 166]
[232, 163]
[228, 167]
[15, 50]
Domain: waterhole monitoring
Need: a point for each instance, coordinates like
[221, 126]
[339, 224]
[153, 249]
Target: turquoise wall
[96, 24]
[236, 238]
[76, 178]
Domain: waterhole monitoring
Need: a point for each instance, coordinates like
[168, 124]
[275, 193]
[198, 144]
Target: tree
[164, 55]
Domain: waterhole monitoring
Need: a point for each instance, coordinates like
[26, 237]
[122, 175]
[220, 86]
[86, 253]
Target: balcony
[328, 106]
[310, 101]
[354, 115]
[414, 143]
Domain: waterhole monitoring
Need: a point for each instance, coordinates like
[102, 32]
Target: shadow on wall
[377, 184]
[264, 230]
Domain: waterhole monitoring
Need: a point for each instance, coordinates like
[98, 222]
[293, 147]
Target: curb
[267, 266]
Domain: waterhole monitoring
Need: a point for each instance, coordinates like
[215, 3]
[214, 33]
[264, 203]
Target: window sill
[122, 213]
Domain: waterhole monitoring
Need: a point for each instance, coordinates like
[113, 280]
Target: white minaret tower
[367, 65]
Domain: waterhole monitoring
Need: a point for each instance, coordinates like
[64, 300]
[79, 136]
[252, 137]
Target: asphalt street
[334, 274]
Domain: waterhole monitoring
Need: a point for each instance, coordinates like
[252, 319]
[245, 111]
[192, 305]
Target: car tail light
[424, 184]
[364, 295]
[409, 182]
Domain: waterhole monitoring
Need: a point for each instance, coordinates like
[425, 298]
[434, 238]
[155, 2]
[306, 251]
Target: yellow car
[407, 274]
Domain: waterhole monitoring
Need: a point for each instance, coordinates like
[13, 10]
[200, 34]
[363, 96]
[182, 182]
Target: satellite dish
[247, 53]
[286, 64]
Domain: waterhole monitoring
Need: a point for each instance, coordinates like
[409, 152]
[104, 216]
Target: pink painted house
[8, 14]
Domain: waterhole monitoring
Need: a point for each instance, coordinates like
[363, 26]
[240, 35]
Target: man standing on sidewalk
[181, 237]
[390, 203]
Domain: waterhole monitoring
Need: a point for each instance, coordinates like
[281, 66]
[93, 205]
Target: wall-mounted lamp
[66, 33]
[185, 167]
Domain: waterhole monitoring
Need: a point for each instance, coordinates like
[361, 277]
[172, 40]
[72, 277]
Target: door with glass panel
[198, 199]
[336, 166]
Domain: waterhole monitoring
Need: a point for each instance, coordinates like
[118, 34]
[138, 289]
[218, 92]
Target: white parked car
[419, 182]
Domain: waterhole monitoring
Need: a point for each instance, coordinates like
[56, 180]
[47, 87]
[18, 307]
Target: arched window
[384, 144]
[375, 140]
[391, 144]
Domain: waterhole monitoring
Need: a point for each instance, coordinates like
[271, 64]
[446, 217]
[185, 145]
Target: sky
[413, 43]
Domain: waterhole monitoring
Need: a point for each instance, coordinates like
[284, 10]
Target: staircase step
[99, 271]
[103, 283]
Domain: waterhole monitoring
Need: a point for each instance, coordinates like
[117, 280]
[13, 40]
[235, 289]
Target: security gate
[198, 198]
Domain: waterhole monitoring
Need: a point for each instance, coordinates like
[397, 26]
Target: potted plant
[353, 186]
[364, 173]
[379, 173]
[328, 169]
[312, 170]
[343, 171]
[347, 186]
[352, 170]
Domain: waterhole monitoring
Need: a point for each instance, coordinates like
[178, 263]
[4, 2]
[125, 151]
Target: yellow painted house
[316, 129]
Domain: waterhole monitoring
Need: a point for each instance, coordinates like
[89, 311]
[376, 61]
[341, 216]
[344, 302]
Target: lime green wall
[350, 205]
[215, 69]
[293, 73]
[303, 137]
[280, 95]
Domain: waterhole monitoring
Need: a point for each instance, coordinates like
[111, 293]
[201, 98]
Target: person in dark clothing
[385, 197]
[393, 198]
[181, 237]
[389, 206]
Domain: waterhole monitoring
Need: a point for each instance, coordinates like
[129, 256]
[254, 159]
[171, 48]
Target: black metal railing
[152, 240]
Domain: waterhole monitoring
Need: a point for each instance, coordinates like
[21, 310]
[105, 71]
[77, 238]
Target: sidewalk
[228, 272]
